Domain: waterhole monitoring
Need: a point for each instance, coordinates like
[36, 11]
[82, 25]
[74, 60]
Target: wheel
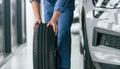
[81, 48]
[88, 64]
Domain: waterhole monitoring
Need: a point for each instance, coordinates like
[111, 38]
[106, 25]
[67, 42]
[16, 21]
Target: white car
[100, 33]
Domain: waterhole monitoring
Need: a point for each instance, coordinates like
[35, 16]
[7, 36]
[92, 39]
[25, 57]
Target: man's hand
[55, 26]
[38, 21]
[53, 21]
[36, 9]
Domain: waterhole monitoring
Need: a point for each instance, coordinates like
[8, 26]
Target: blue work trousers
[64, 35]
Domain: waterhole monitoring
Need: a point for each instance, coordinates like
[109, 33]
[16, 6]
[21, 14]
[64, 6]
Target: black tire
[35, 48]
[88, 64]
[81, 48]
[44, 47]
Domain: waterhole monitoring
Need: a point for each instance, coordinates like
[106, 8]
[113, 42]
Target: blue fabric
[59, 5]
[35, 0]
[64, 24]
[64, 39]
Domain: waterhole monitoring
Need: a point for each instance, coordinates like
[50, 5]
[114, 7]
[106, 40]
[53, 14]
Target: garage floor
[22, 59]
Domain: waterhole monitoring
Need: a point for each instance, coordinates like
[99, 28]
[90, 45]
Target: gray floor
[1, 39]
[22, 59]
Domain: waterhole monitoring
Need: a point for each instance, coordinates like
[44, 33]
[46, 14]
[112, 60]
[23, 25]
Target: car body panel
[109, 19]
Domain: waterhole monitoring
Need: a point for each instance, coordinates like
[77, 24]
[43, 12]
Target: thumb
[39, 21]
[56, 29]
[48, 24]
[34, 25]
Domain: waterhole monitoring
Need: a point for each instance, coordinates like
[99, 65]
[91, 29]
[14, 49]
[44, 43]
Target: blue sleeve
[60, 5]
[35, 0]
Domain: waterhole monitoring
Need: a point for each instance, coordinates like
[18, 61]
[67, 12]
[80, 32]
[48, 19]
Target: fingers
[37, 22]
[34, 25]
[55, 27]
[48, 24]
[56, 30]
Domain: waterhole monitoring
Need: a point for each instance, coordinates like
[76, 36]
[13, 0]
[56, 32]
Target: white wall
[30, 20]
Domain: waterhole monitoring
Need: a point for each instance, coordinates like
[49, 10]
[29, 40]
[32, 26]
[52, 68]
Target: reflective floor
[22, 59]
[1, 39]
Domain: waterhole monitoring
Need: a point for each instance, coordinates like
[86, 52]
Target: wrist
[55, 16]
[53, 20]
[38, 18]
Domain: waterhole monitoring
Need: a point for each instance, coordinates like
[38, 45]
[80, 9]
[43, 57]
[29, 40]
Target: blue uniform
[66, 7]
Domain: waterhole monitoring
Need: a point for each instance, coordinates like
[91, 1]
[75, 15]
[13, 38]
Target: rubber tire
[88, 64]
[44, 47]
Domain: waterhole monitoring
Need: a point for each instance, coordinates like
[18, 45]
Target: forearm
[36, 9]
[55, 16]
[59, 8]
[53, 21]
